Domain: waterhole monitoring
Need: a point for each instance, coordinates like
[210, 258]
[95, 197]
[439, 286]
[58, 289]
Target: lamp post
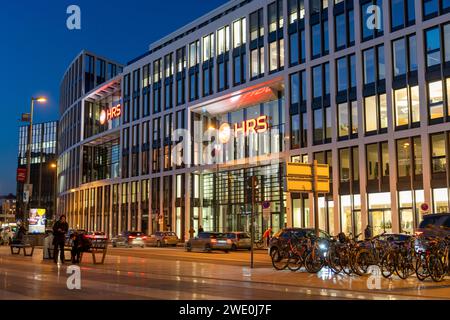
[30, 139]
[54, 167]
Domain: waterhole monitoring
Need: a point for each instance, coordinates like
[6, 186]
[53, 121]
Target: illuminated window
[438, 152]
[440, 200]
[435, 100]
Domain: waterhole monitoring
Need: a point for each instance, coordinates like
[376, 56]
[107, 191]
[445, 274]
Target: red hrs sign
[21, 175]
[110, 114]
[258, 125]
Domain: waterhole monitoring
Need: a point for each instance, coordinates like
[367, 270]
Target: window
[407, 106]
[319, 39]
[435, 100]
[447, 42]
[373, 64]
[342, 74]
[438, 152]
[399, 49]
[372, 19]
[347, 119]
[432, 8]
[349, 164]
[433, 49]
[409, 160]
[168, 87]
[296, 10]
[239, 56]
[208, 69]
[298, 110]
[402, 14]
[276, 45]
[377, 156]
[157, 79]
[223, 47]
[181, 75]
[344, 30]
[194, 60]
[346, 73]
[257, 44]
[375, 108]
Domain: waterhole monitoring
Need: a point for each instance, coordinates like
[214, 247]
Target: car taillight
[418, 233]
[229, 241]
[214, 240]
[131, 237]
[144, 238]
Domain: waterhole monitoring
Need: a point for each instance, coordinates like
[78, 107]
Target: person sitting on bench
[21, 232]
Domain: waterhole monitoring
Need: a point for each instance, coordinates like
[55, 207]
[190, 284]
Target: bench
[98, 247]
[21, 246]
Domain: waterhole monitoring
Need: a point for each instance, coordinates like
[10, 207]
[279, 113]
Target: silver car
[241, 240]
[209, 241]
[129, 239]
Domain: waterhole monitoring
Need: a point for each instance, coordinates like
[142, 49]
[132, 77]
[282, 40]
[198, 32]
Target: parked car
[240, 240]
[434, 225]
[281, 238]
[209, 241]
[129, 239]
[162, 239]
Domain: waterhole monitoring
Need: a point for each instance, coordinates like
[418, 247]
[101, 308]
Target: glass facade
[262, 88]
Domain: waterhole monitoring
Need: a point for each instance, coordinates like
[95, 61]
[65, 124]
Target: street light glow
[40, 99]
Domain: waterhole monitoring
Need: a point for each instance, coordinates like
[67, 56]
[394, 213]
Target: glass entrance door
[380, 221]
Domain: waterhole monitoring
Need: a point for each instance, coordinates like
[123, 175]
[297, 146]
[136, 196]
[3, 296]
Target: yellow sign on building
[303, 177]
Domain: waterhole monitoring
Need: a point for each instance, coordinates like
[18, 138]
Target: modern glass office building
[43, 174]
[171, 142]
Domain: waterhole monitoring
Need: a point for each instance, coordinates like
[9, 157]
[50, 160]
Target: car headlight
[323, 246]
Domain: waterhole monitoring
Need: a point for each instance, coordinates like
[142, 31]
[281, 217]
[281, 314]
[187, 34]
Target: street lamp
[30, 132]
[54, 167]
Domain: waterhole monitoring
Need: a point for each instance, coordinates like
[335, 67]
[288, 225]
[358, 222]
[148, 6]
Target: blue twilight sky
[36, 47]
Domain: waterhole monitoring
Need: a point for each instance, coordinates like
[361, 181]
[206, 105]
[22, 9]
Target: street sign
[266, 210]
[27, 192]
[299, 169]
[26, 117]
[299, 185]
[323, 171]
[21, 175]
[323, 186]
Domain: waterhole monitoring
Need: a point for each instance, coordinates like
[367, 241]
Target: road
[172, 273]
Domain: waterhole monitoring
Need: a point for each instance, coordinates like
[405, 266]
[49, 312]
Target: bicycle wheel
[404, 267]
[436, 267]
[422, 271]
[362, 262]
[314, 262]
[388, 265]
[333, 260]
[280, 259]
[295, 263]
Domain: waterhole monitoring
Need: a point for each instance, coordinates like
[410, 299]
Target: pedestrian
[200, 230]
[191, 232]
[368, 232]
[76, 246]
[267, 235]
[21, 232]
[60, 228]
[48, 244]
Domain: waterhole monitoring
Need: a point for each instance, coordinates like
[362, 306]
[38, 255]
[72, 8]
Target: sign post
[254, 182]
[312, 178]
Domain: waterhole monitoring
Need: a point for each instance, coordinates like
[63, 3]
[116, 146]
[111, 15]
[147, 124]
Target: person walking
[266, 236]
[368, 232]
[191, 232]
[60, 228]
